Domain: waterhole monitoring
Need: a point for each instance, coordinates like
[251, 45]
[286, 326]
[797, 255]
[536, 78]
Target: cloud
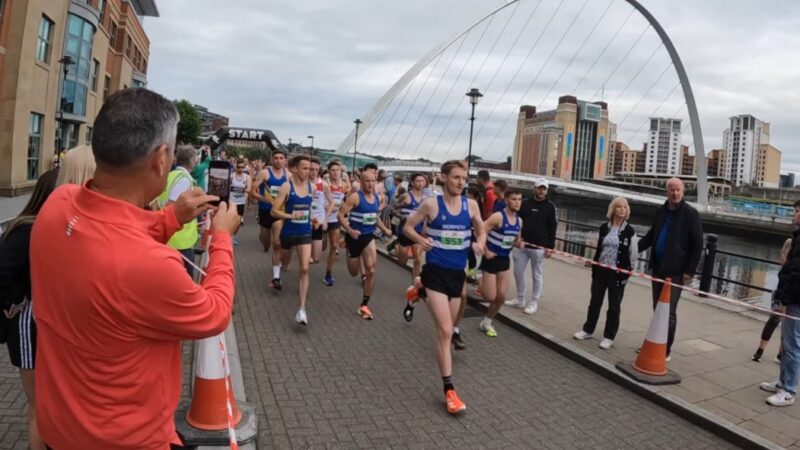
[311, 67]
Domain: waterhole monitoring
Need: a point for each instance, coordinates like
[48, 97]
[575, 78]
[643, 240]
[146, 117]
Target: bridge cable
[655, 111]
[603, 52]
[636, 105]
[635, 43]
[483, 63]
[638, 72]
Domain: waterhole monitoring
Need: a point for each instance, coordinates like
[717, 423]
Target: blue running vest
[409, 209]
[294, 202]
[364, 217]
[272, 183]
[452, 237]
[501, 240]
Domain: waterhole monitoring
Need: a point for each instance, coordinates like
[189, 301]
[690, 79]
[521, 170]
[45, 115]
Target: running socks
[365, 300]
[276, 271]
[327, 274]
[448, 383]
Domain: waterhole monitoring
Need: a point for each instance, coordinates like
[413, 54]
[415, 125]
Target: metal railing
[706, 271]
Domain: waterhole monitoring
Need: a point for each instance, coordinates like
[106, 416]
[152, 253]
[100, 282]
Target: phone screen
[219, 182]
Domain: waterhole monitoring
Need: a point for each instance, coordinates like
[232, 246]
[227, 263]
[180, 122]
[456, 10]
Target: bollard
[708, 262]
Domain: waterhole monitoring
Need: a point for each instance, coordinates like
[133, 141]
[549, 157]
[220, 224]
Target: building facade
[786, 181]
[569, 142]
[662, 155]
[623, 159]
[59, 60]
[687, 161]
[211, 121]
[768, 167]
[715, 163]
[741, 142]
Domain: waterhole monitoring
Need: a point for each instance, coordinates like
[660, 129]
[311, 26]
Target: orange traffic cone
[651, 365]
[209, 408]
[652, 358]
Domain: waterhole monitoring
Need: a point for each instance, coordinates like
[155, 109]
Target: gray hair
[131, 124]
[185, 156]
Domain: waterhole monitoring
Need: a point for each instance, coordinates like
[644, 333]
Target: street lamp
[474, 97]
[66, 61]
[358, 123]
[312, 144]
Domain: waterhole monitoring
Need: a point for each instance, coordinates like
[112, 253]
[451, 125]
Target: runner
[503, 230]
[337, 188]
[265, 188]
[364, 208]
[449, 219]
[321, 208]
[240, 186]
[294, 206]
[407, 204]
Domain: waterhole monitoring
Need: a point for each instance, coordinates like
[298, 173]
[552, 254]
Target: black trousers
[674, 296]
[604, 280]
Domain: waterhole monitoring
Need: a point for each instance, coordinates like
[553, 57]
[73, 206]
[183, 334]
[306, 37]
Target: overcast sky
[312, 67]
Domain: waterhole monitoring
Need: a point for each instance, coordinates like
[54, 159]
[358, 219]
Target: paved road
[347, 383]
[11, 206]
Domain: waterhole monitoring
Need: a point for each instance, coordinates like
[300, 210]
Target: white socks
[276, 271]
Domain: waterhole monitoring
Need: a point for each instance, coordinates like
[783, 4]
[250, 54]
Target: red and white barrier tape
[652, 278]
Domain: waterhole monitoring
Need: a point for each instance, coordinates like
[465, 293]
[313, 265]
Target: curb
[720, 427]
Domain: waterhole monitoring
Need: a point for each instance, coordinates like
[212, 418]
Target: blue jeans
[790, 361]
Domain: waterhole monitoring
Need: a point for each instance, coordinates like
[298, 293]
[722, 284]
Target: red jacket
[489, 197]
[112, 303]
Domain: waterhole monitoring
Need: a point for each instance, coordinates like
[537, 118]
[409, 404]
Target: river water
[743, 270]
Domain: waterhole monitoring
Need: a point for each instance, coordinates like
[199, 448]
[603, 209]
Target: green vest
[186, 237]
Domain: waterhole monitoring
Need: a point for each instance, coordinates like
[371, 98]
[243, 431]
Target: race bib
[274, 191]
[303, 218]
[370, 219]
[508, 241]
[452, 240]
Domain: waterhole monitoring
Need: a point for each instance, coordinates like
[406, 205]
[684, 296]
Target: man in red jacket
[489, 196]
[113, 301]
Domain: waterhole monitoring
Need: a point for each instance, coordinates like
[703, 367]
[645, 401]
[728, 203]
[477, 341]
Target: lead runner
[450, 218]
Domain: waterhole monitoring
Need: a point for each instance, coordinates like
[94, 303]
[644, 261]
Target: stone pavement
[11, 206]
[714, 343]
[343, 382]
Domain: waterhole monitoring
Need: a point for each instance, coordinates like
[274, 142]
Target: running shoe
[782, 398]
[770, 386]
[300, 317]
[328, 280]
[606, 344]
[408, 312]
[454, 404]
[757, 355]
[488, 329]
[514, 303]
[581, 335]
[276, 284]
[458, 342]
[364, 312]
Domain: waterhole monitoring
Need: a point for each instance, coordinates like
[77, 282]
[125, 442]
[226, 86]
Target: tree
[190, 125]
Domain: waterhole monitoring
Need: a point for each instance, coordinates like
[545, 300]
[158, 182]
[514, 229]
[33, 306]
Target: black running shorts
[21, 340]
[356, 246]
[317, 234]
[446, 281]
[265, 219]
[495, 265]
[240, 210]
[288, 242]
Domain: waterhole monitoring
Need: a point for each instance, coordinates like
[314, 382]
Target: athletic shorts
[356, 246]
[317, 234]
[21, 340]
[265, 219]
[495, 265]
[287, 242]
[240, 210]
[447, 281]
[333, 226]
[404, 241]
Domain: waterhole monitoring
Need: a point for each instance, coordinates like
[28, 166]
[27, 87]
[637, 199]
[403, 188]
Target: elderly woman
[616, 247]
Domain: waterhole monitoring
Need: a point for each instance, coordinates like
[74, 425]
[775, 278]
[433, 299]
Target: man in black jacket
[539, 225]
[788, 292]
[676, 238]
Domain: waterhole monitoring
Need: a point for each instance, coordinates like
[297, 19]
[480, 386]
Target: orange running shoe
[364, 312]
[412, 294]
[454, 404]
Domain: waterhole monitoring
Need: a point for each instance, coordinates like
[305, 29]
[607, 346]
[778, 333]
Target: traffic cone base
[214, 415]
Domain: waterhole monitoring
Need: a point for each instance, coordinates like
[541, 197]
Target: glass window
[95, 74]
[128, 46]
[89, 132]
[74, 98]
[112, 42]
[34, 145]
[44, 41]
[106, 87]
[101, 6]
[2, 8]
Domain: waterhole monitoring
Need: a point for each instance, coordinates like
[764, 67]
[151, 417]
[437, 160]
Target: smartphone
[219, 180]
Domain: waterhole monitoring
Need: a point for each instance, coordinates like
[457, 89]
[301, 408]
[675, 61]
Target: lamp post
[358, 123]
[312, 144]
[474, 97]
[66, 61]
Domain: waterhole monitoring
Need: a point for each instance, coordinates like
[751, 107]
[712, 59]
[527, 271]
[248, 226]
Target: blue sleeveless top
[501, 240]
[364, 217]
[499, 205]
[409, 209]
[272, 183]
[294, 202]
[452, 237]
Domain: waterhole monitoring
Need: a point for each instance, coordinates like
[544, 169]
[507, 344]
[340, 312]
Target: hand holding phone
[219, 180]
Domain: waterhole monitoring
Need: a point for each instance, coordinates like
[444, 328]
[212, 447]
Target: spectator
[77, 166]
[788, 292]
[539, 225]
[200, 170]
[500, 188]
[489, 196]
[19, 326]
[774, 320]
[616, 247]
[179, 181]
[676, 237]
[113, 302]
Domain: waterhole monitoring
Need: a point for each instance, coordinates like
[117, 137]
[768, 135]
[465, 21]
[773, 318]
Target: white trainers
[532, 308]
[769, 386]
[582, 335]
[782, 398]
[300, 317]
[514, 303]
[606, 344]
